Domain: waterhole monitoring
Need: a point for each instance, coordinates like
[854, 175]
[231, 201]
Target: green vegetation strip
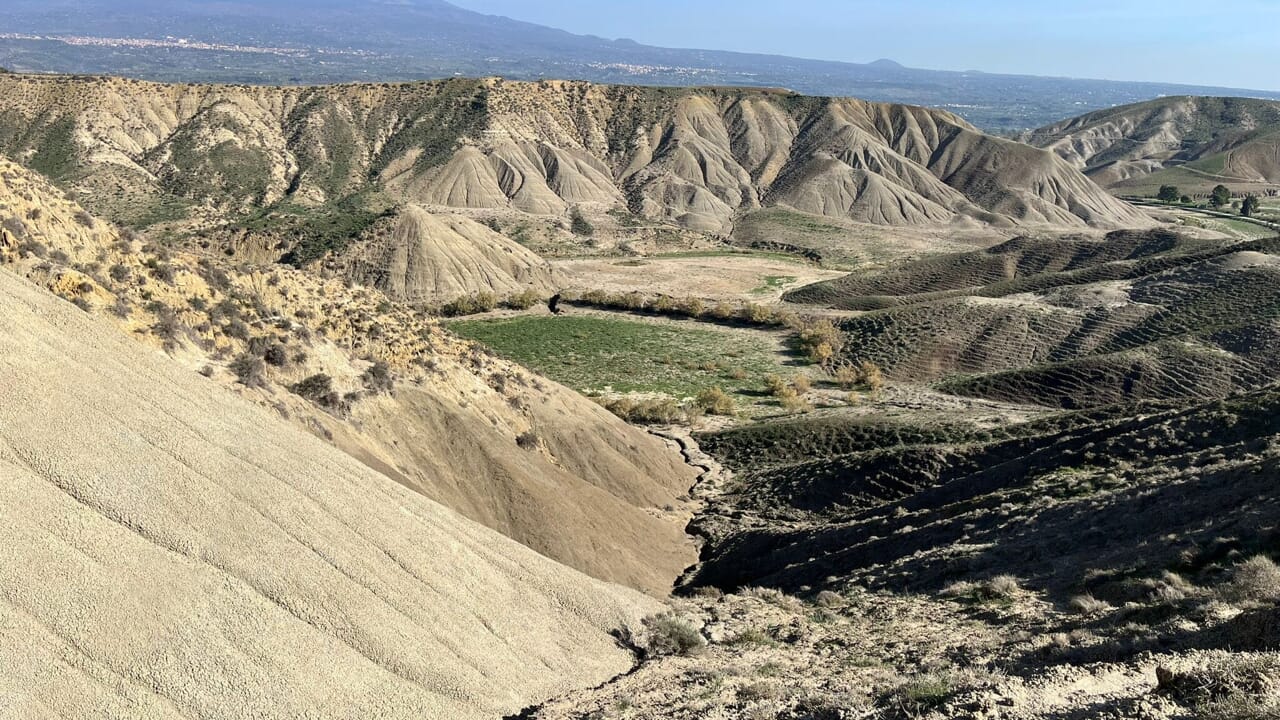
[593, 353]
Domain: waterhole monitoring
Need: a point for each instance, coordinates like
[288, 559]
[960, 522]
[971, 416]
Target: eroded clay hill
[424, 258]
[503, 447]
[1072, 322]
[170, 550]
[1191, 142]
[692, 157]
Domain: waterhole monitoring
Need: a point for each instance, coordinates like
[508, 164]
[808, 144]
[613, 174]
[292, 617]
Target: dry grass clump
[1254, 580]
[1237, 686]
[998, 588]
[672, 635]
[920, 694]
[1087, 604]
[828, 599]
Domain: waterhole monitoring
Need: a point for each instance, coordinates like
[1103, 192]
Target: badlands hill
[420, 257]
[1194, 143]
[510, 450]
[171, 550]
[692, 158]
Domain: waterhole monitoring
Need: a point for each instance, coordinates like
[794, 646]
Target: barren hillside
[513, 451]
[694, 158]
[1190, 142]
[171, 550]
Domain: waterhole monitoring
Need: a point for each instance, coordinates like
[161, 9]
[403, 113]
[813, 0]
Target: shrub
[715, 401]
[249, 370]
[653, 410]
[792, 402]
[820, 339]
[755, 313]
[692, 307]
[277, 355]
[527, 440]
[721, 311]
[846, 376]
[871, 375]
[776, 384]
[166, 327]
[670, 635]
[318, 389]
[578, 224]
[378, 378]
[1255, 579]
[664, 304]
[802, 384]
[524, 300]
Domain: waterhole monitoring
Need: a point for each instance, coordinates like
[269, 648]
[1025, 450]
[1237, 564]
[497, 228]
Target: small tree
[1220, 196]
[1168, 193]
[578, 225]
[1185, 199]
[1250, 206]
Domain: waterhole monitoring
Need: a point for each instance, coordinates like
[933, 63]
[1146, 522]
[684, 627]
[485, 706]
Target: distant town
[180, 44]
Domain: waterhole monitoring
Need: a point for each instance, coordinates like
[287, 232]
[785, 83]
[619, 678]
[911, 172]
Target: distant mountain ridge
[420, 39]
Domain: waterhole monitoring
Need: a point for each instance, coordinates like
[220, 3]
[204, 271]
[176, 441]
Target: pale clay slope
[1132, 141]
[595, 493]
[170, 550]
[697, 158]
[421, 257]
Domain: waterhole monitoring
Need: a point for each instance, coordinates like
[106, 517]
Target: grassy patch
[774, 282]
[594, 353]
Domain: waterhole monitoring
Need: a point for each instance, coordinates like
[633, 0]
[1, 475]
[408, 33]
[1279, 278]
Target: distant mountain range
[324, 41]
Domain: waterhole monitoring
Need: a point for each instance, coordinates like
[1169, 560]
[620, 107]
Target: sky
[1232, 43]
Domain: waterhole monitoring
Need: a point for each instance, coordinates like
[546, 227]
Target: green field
[597, 354]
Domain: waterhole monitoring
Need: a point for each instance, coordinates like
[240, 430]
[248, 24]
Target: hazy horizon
[1177, 41]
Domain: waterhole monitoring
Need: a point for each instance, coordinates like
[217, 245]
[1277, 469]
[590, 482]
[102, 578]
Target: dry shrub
[249, 370]
[524, 300]
[1237, 686]
[721, 311]
[776, 384]
[802, 384]
[671, 635]
[1255, 580]
[756, 314]
[693, 307]
[715, 401]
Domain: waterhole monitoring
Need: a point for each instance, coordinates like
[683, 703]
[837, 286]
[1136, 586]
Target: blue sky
[1234, 43]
